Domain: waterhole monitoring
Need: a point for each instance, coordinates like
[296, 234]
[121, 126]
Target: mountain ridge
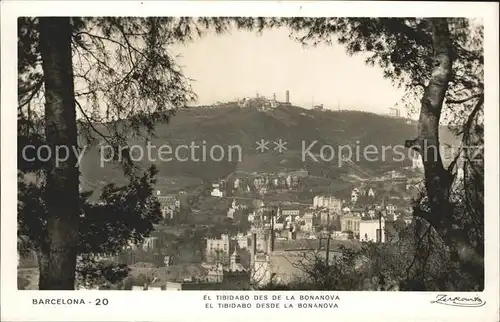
[231, 125]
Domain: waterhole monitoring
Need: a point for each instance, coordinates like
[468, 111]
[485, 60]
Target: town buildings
[289, 212]
[308, 222]
[290, 225]
[350, 223]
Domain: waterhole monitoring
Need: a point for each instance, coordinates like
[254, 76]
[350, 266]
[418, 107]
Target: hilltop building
[262, 103]
[394, 112]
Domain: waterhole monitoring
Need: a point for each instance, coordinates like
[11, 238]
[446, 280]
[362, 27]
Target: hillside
[231, 126]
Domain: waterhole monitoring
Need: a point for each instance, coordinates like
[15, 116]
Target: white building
[235, 262]
[317, 203]
[372, 230]
[245, 102]
[149, 243]
[308, 221]
[328, 202]
[230, 213]
[168, 212]
[416, 162]
[241, 240]
[339, 235]
[259, 183]
[236, 184]
[390, 208]
[292, 213]
[216, 192]
[218, 245]
[354, 195]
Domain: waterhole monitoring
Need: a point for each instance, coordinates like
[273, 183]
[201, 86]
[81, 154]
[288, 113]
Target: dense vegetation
[121, 92]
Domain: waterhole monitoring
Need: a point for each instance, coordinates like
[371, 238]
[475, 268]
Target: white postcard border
[189, 305]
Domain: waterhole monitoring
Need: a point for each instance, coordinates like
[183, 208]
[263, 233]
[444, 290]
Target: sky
[242, 64]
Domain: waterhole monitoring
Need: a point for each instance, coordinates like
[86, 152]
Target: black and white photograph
[252, 153]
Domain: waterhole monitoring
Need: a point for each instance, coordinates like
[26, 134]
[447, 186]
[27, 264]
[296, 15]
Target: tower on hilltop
[394, 112]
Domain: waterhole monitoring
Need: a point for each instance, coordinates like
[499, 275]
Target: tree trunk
[438, 180]
[58, 256]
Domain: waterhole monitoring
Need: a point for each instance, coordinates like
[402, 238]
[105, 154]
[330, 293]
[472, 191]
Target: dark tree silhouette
[439, 61]
[81, 81]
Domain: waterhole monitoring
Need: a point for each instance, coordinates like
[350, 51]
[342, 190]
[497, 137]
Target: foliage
[448, 244]
[125, 81]
[123, 215]
[102, 273]
[401, 264]
[22, 282]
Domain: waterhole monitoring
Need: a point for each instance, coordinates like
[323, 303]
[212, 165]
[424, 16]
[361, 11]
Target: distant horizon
[216, 105]
[241, 64]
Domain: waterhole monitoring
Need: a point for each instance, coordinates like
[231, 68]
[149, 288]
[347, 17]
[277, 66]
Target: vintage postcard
[282, 160]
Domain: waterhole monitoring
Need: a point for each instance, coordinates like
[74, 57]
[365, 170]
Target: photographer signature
[473, 301]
